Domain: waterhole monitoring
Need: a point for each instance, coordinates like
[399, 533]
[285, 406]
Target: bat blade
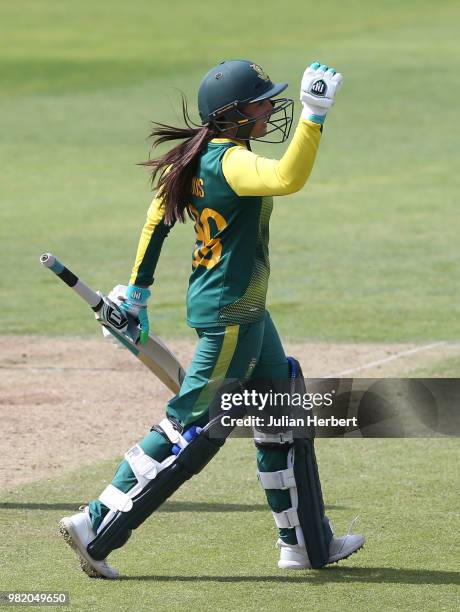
[156, 356]
[159, 359]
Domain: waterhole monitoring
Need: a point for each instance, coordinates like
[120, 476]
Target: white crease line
[366, 366]
[373, 364]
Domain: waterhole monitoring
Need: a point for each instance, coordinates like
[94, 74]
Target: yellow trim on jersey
[249, 174]
[155, 214]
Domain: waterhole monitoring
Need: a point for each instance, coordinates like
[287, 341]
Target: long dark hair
[175, 169]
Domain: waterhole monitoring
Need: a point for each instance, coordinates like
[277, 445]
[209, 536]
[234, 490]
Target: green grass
[212, 546]
[368, 251]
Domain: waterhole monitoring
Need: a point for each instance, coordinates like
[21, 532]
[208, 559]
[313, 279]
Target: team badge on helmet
[260, 72]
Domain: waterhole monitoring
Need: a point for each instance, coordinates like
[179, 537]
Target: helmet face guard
[236, 124]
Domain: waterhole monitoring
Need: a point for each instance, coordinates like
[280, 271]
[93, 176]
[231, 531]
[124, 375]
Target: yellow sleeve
[151, 240]
[249, 174]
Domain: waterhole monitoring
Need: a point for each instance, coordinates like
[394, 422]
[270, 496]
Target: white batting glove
[320, 83]
[132, 300]
[117, 295]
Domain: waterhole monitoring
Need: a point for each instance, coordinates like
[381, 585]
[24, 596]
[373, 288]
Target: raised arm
[250, 174]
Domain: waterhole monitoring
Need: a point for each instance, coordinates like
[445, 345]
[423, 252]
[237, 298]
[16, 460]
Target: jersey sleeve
[151, 240]
[249, 174]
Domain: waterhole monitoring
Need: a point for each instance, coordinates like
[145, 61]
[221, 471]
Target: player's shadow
[171, 506]
[369, 575]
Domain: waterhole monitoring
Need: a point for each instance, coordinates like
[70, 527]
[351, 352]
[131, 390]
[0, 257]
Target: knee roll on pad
[301, 479]
[156, 482]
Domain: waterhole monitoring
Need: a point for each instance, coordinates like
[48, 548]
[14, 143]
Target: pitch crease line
[373, 364]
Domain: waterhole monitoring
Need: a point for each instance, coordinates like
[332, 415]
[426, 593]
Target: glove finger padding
[118, 294]
[337, 80]
[144, 325]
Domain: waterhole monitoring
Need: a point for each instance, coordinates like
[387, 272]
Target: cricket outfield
[364, 282]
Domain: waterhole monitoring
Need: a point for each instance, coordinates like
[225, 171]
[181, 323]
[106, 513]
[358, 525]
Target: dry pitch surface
[69, 401]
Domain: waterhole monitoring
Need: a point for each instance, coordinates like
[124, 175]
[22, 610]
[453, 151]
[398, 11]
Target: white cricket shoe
[344, 546]
[77, 532]
[295, 557]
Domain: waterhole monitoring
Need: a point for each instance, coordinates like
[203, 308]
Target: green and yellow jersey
[231, 201]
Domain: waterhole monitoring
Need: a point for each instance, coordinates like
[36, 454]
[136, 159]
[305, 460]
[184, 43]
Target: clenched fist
[320, 83]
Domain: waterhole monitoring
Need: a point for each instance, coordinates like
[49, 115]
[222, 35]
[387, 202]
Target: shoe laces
[352, 524]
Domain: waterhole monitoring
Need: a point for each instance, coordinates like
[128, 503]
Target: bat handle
[89, 295]
[47, 259]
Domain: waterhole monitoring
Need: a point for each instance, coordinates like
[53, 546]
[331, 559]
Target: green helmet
[232, 84]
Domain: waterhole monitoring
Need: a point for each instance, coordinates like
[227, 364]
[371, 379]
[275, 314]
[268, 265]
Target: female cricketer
[213, 176]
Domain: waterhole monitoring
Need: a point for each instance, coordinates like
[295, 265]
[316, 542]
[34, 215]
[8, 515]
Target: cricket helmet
[230, 85]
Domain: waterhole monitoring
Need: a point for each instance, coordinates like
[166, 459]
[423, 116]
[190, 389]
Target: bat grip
[68, 277]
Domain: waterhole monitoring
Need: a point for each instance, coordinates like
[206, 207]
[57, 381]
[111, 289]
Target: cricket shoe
[295, 557]
[77, 532]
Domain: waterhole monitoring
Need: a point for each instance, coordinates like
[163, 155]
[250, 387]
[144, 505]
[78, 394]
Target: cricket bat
[124, 327]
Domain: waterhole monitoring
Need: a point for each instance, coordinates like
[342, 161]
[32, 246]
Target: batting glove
[135, 303]
[320, 83]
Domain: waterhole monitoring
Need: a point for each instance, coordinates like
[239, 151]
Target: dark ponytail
[177, 167]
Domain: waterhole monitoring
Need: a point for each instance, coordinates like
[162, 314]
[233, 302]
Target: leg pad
[191, 460]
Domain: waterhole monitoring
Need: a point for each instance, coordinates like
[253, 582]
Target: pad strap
[284, 437]
[145, 468]
[115, 499]
[283, 479]
[173, 435]
[286, 519]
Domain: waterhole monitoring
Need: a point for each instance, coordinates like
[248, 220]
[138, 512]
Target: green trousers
[232, 352]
